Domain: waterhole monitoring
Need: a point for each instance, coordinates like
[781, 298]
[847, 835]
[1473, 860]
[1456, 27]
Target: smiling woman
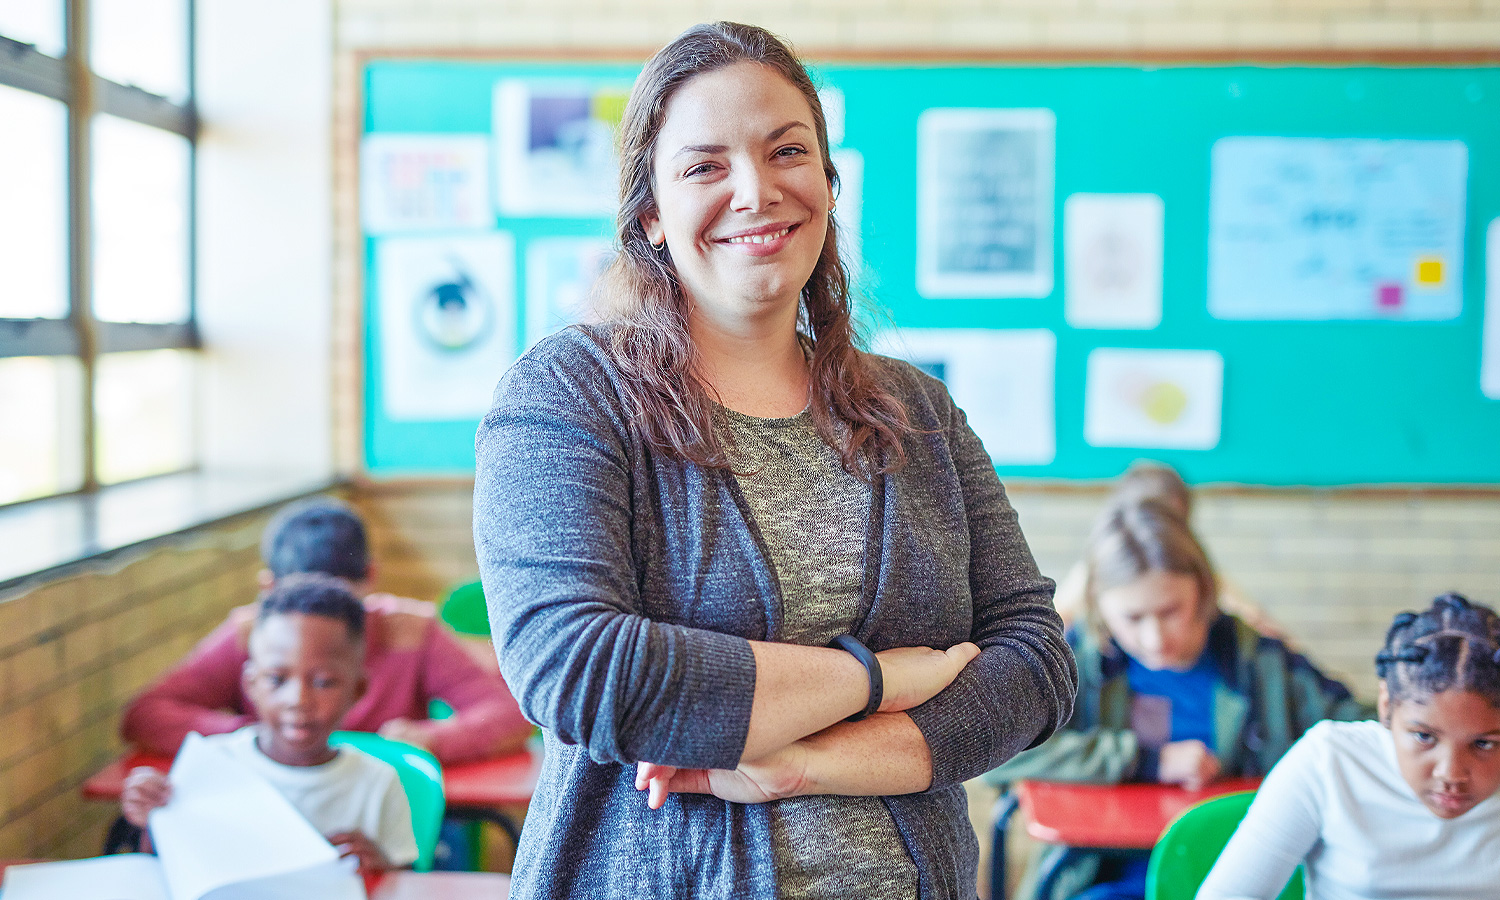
[693, 519]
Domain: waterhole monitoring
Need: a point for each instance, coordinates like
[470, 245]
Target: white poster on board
[1002, 380]
[1489, 357]
[850, 208]
[833, 114]
[560, 274]
[1112, 260]
[555, 147]
[1153, 398]
[447, 315]
[1348, 228]
[984, 202]
[424, 182]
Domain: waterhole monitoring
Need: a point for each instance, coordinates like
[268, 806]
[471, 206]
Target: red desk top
[1125, 816]
[441, 886]
[491, 782]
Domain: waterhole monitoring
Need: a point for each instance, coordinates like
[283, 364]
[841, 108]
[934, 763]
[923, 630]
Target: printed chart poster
[1112, 260]
[424, 182]
[1003, 380]
[850, 207]
[984, 202]
[1489, 357]
[1153, 398]
[1322, 229]
[447, 314]
[560, 273]
[555, 147]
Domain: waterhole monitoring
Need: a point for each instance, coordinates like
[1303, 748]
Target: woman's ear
[1383, 705]
[651, 224]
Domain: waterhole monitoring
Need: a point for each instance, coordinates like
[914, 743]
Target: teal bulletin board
[1372, 400]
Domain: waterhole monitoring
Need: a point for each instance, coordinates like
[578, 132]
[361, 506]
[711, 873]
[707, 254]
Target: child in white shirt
[1403, 807]
[304, 673]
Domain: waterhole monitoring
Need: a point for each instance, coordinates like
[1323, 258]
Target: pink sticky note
[1388, 295]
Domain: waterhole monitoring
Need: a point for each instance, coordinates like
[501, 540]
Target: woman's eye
[699, 169]
[791, 151]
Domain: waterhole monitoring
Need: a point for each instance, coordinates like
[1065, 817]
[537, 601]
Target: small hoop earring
[658, 247]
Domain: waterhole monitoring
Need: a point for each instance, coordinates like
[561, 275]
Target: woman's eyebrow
[785, 128]
[720, 148]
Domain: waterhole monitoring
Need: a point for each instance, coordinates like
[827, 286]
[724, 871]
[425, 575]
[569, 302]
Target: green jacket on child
[1265, 697]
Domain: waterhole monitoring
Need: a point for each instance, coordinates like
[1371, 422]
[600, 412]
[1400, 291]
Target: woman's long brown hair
[852, 408]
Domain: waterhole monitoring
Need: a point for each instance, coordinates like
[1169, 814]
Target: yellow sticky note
[1429, 271]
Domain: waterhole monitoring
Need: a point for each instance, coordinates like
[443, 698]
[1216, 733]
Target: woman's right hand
[914, 675]
[145, 790]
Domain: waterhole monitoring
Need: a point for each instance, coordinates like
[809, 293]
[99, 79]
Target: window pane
[143, 408]
[38, 22]
[142, 42]
[140, 201]
[33, 206]
[41, 453]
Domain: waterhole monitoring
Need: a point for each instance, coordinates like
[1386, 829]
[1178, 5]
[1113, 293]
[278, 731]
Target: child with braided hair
[1403, 807]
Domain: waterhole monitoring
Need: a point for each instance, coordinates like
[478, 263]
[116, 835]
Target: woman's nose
[755, 188]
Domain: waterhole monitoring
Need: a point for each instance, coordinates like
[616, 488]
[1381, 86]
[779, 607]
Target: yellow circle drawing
[1164, 402]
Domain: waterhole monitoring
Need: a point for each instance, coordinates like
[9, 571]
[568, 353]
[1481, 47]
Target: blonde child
[304, 673]
[1403, 807]
[1171, 689]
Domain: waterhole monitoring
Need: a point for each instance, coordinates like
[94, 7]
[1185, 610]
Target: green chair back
[421, 778]
[465, 611]
[1184, 856]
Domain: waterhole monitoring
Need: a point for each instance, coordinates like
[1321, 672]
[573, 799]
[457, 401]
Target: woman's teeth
[759, 238]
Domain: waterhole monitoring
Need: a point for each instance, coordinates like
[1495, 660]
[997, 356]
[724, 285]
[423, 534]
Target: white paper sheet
[1349, 228]
[1002, 380]
[129, 876]
[560, 273]
[1112, 260]
[226, 834]
[447, 313]
[984, 202]
[555, 147]
[424, 182]
[1489, 356]
[1153, 398]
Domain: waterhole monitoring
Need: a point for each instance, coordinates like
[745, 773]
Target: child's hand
[372, 860]
[408, 731]
[145, 790]
[1188, 763]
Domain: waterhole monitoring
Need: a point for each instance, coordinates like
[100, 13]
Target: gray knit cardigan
[624, 585]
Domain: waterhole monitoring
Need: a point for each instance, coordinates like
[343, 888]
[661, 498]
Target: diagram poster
[1349, 228]
[1112, 260]
[1489, 357]
[560, 274]
[555, 147]
[447, 315]
[984, 202]
[1153, 398]
[1003, 380]
[424, 182]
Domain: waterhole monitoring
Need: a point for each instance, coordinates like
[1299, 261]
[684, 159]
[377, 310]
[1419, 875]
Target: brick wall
[74, 651]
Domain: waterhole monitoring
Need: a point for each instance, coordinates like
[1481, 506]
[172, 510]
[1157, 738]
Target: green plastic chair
[421, 778]
[465, 611]
[1187, 852]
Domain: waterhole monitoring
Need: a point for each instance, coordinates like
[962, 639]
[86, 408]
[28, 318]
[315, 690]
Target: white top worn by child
[1404, 807]
[304, 673]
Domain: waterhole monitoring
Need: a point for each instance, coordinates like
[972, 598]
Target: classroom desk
[441, 886]
[1096, 816]
[477, 790]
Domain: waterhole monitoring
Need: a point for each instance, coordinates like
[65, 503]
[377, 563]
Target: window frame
[71, 81]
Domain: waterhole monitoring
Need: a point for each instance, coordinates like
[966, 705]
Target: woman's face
[741, 197]
[1157, 619]
[1447, 747]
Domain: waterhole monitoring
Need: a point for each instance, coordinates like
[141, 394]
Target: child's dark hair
[1453, 645]
[314, 594]
[317, 535]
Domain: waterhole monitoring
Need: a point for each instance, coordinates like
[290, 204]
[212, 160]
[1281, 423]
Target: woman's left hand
[778, 776]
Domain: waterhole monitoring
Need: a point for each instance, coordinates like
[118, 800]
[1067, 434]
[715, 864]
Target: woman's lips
[763, 242]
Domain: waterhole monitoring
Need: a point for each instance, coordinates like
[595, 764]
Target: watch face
[454, 313]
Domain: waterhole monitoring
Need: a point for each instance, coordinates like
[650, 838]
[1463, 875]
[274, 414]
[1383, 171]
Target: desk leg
[1005, 807]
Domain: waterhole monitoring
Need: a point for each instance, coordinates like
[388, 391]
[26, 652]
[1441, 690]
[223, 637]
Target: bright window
[39, 404]
[37, 22]
[34, 210]
[142, 43]
[140, 194]
[143, 404]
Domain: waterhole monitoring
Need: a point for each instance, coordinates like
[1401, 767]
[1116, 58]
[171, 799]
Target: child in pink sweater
[410, 659]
